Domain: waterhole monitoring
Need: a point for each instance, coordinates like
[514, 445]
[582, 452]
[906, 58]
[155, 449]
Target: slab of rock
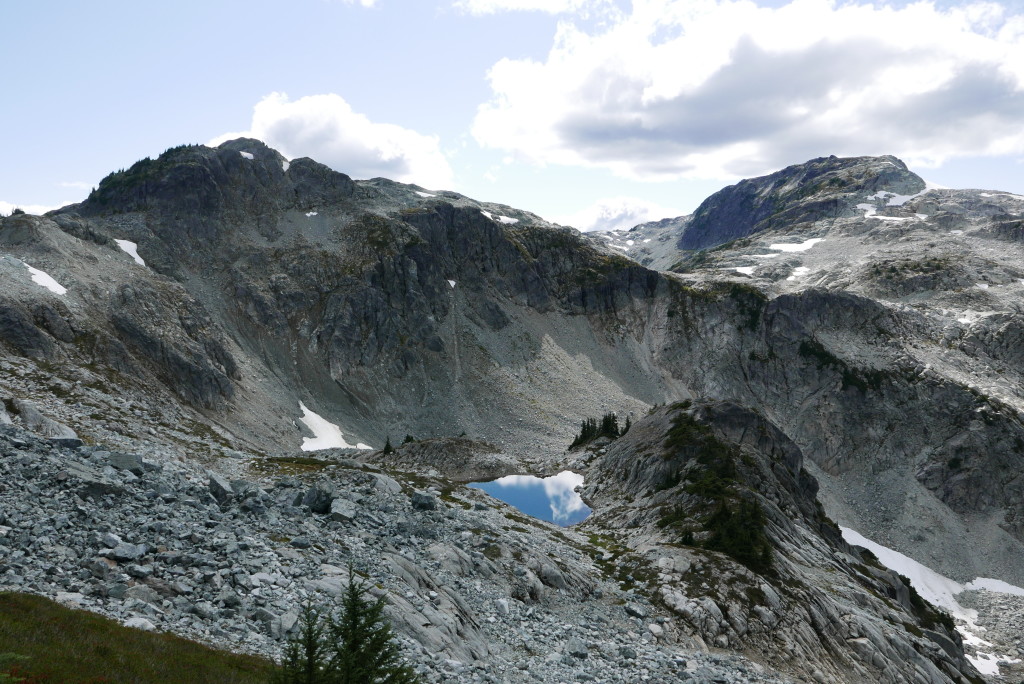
[33, 419]
[220, 488]
[343, 510]
[130, 462]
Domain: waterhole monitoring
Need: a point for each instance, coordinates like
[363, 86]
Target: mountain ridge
[392, 310]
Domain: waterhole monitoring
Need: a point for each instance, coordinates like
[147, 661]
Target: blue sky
[596, 113]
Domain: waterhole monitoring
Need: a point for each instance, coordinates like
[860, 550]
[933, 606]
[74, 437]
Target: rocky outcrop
[716, 502]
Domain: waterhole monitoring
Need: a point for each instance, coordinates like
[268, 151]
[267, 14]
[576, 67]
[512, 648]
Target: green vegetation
[929, 615]
[738, 532]
[356, 647]
[388, 449]
[862, 379]
[732, 524]
[43, 641]
[590, 429]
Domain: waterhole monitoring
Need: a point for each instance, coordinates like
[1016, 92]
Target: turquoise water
[551, 498]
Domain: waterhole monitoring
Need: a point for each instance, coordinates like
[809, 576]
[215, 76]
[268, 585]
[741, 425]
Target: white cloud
[617, 213]
[724, 88]
[325, 128]
[77, 185]
[38, 209]
[364, 3]
[479, 7]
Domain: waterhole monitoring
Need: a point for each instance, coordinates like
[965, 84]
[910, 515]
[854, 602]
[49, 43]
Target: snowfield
[326, 435]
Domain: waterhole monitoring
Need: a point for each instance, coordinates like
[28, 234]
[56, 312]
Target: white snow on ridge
[285, 165]
[46, 280]
[310, 213]
[424, 195]
[452, 283]
[795, 247]
[941, 591]
[247, 155]
[932, 586]
[499, 218]
[327, 435]
[131, 249]
[745, 270]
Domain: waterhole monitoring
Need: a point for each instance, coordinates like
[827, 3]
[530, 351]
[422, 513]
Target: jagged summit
[826, 187]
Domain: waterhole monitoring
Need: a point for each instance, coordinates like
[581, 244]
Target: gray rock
[343, 510]
[220, 488]
[636, 610]
[319, 498]
[33, 419]
[140, 623]
[423, 501]
[125, 552]
[130, 462]
[576, 648]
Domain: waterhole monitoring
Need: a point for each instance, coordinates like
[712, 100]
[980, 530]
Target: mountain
[833, 341]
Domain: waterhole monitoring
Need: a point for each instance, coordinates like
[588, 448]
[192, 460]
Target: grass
[58, 644]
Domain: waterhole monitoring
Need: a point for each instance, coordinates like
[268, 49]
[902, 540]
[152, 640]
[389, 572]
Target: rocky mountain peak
[826, 187]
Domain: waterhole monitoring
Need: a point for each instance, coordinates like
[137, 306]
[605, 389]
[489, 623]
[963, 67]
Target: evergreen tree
[388, 449]
[356, 647]
[306, 656]
[363, 647]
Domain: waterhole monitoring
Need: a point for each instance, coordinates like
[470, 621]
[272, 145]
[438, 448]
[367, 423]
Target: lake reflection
[551, 498]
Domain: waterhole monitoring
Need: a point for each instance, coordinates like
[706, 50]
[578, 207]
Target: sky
[593, 113]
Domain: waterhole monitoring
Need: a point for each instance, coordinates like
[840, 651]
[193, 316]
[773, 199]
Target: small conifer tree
[388, 449]
[355, 647]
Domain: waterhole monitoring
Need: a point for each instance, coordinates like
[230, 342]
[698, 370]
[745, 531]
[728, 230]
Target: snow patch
[795, 247]
[310, 213]
[764, 256]
[285, 165]
[508, 220]
[746, 270]
[994, 585]
[932, 586]
[982, 286]
[647, 240]
[46, 280]
[956, 232]
[327, 435]
[424, 195]
[131, 249]
[487, 214]
[987, 194]
[452, 283]
[868, 209]
[941, 591]
[799, 271]
[247, 155]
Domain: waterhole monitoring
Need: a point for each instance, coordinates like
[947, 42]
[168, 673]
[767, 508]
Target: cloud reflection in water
[551, 498]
